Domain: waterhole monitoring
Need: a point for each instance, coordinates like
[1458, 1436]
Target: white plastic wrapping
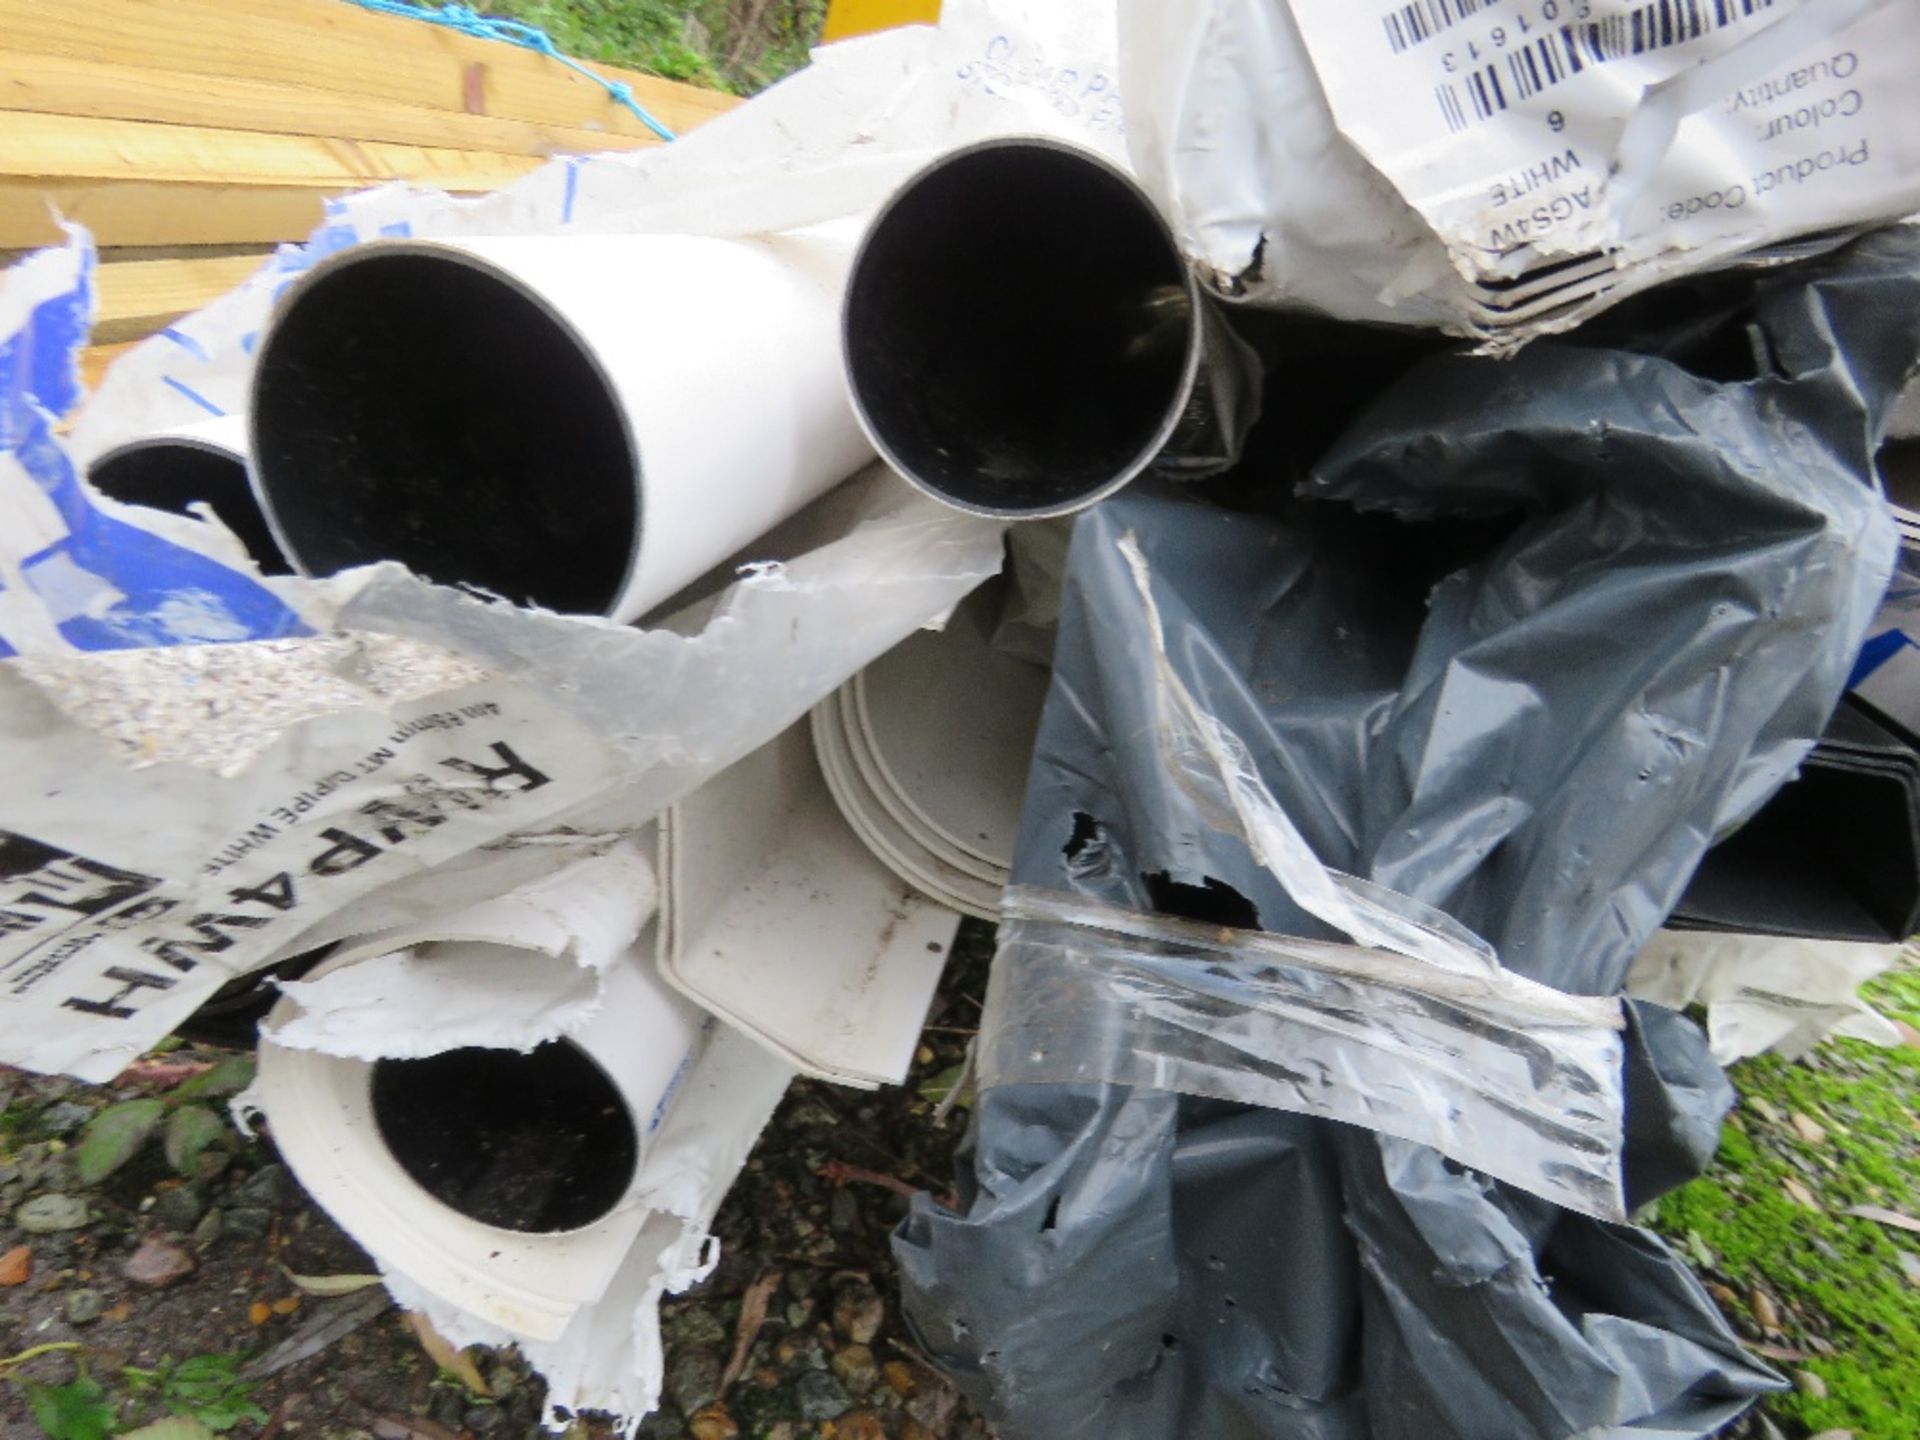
[508, 972]
[1506, 168]
[195, 812]
[1764, 993]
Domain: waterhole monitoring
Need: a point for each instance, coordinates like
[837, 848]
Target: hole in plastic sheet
[1018, 327]
[1212, 902]
[171, 475]
[413, 405]
[1086, 830]
[539, 1143]
[1052, 1222]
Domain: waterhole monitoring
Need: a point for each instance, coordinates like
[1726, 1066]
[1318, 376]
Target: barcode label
[1423, 19]
[1543, 63]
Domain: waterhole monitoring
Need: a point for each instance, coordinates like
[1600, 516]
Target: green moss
[1835, 1278]
[1897, 993]
[721, 44]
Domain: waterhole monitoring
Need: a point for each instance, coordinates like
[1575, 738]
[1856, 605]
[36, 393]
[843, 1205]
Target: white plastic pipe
[465, 1190]
[326, 1123]
[583, 423]
[1023, 337]
[203, 463]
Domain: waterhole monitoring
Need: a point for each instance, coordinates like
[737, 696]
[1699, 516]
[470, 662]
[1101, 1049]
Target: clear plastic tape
[1502, 1074]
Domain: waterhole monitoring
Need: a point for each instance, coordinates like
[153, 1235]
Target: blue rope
[512, 32]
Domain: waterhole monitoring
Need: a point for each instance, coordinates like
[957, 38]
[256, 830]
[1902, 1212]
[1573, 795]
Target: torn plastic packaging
[1315, 153]
[1783, 993]
[1602, 624]
[1518, 1080]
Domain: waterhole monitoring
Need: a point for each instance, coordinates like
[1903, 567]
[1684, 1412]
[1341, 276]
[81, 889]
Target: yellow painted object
[846, 18]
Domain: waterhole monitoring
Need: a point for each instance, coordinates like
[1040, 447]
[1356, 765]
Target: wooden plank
[56, 85]
[73, 147]
[138, 297]
[138, 212]
[334, 48]
[95, 359]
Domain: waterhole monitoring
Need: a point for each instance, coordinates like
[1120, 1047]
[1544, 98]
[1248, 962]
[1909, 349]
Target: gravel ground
[146, 1268]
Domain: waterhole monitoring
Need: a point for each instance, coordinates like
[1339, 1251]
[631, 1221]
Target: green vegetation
[202, 1396]
[1831, 1296]
[78, 1410]
[195, 1139]
[739, 46]
[206, 1388]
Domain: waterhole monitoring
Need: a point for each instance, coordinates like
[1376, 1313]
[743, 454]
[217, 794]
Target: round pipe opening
[1899, 462]
[538, 1143]
[172, 474]
[1019, 330]
[415, 404]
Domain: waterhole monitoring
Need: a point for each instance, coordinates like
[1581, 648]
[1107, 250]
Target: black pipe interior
[1899, 462]
[416, 407]
[1017, 328]
[538, 1143]
[171, 475]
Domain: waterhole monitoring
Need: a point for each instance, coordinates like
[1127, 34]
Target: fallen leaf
[115, 1314]
[713, 1423]
[330, 1284]
[286, 1305]
[1702, 1255]
[1799, 1193]
[174, 1427]
[229, 1077]
[16, 1266]
[115, 1136]
[940, 1086]
[1808, 1129]
[1885, 1217]
[412, 1427]
[753, 1314]
[1764, 1310]
[161, 1074]
[857, 1425]
[191, 1130]
[259, 1312]
[157, 1262]
[900, 1376]
[457, 1363]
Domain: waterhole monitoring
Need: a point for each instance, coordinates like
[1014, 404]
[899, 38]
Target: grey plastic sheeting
[1619, 590]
